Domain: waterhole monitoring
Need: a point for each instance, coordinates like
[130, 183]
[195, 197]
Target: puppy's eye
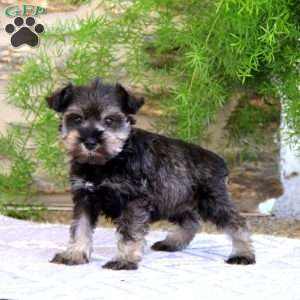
[76, 119]
[109, 121]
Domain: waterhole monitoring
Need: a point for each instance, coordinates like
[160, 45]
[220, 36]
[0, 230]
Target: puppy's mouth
[95, 155]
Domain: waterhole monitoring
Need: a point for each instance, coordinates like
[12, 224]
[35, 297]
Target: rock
[44, 185]
[250, 186]
[253, 162]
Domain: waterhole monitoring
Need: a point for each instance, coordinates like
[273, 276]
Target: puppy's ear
[61, 99]
[129, 103]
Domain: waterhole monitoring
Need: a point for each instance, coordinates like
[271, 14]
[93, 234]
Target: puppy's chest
[114, 184]
[83, 184]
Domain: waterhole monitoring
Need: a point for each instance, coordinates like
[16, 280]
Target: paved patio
[195, 273]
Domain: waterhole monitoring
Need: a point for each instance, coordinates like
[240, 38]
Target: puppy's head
[96, 120]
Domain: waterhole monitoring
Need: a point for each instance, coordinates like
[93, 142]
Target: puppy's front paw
[241, 260]
[120, 265]
[163, 246]
[70, 258]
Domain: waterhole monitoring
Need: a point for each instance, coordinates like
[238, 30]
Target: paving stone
[198, 272]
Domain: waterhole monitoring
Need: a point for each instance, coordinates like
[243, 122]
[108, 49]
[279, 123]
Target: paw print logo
[24, 34]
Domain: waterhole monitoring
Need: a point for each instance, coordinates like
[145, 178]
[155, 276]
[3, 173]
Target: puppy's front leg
[132, 228]
[80, 244]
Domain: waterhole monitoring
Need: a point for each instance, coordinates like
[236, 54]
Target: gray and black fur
[136, 177]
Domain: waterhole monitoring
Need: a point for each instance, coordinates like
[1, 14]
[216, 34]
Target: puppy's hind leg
[217, 208]
[242, 248]
[179, 237]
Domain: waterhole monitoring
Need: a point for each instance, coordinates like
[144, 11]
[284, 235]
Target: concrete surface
[195, 273]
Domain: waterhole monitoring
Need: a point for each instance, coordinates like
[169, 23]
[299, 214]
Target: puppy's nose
[90, 143]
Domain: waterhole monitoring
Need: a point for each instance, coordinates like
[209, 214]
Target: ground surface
[195, 273]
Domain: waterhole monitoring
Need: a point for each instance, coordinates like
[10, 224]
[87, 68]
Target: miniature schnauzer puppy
[135, 177]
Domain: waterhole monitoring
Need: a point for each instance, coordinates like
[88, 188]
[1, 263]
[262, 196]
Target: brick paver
[195, 273]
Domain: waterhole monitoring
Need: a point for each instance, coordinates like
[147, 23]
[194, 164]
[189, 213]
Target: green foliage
[194, 54]
[250, 121]
[230, 45]
[250, 128]
[22, 208]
